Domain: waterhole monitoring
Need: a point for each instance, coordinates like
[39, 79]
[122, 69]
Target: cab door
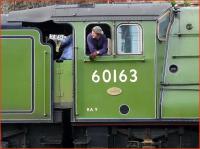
[120, 85]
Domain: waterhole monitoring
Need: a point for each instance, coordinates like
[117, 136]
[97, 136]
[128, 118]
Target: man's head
[97, 32]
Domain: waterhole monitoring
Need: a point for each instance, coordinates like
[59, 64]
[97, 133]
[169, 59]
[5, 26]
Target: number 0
[108, 74]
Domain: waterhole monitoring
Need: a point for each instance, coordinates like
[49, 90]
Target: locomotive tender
[143, 93]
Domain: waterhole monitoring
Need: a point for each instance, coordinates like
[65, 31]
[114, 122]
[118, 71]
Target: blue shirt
[67, 43]
[100, 44]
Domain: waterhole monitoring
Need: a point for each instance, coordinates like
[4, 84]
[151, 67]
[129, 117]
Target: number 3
[133, 73]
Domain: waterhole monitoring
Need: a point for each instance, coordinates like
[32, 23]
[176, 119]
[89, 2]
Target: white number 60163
[107, 76]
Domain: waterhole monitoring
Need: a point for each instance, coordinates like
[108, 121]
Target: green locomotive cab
[118, 79]
[113, 87]
[148, 75]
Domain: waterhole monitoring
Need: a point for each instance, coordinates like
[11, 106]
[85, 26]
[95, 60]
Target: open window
[107, 32]
[129, 39]
[54, 34]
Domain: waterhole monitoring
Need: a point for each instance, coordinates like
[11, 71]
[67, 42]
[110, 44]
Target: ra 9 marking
[108, 76]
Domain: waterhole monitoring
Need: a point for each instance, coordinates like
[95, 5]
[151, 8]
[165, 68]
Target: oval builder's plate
[114, 91]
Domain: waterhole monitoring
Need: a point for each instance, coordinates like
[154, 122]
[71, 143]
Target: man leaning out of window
[97, 42]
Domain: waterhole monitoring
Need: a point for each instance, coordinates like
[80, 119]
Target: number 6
[122, 76]
[95, 77]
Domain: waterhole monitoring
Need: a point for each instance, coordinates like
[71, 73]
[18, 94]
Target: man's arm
[67, 41]
[90, 44]
[103, 50]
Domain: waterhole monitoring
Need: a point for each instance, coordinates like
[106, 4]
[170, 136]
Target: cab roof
[98, 12]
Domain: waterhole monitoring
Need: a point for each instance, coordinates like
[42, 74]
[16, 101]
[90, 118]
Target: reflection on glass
[129, 39]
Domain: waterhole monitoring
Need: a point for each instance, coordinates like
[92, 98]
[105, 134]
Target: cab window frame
[140, 45]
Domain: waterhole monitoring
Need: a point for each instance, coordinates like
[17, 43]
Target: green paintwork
[63, 84]
[17, 75]
[17, 84]
[139, 96]
[162, 22]
[160, 57]
[146, 97]
[189, 15]
[180, 100]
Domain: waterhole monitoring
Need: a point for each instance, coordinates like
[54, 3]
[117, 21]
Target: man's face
[95, 35]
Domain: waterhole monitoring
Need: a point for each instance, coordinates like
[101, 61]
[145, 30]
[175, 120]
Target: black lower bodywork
[63, 133]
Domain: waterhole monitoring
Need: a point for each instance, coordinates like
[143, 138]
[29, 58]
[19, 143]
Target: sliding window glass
[129, 39]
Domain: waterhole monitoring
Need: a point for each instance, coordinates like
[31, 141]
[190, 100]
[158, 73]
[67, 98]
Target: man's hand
[93, 55]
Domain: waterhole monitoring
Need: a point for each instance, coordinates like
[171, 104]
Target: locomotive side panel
[26, 76]
[180, 83]
[117, 86]
[63, 84]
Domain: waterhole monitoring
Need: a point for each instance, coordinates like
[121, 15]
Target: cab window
[163, 25]
[106, 31]
[60, 36]
[129, 39]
